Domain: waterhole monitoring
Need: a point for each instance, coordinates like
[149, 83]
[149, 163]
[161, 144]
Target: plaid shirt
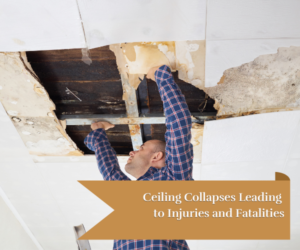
[179, 154]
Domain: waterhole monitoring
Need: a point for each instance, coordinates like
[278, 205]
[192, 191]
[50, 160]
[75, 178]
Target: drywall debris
[29, 106]
[270, 83]
[197, 141]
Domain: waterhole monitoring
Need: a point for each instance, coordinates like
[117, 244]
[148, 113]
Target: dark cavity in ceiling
[100, 89]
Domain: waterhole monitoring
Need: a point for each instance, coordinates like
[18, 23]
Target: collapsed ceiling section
[268, 84]
[28, 105]
[101, 91]
[219, 61]
[111, 88]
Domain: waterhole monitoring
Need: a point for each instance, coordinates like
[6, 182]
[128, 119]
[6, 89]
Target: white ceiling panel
[295, 149]
[226, 54]
[40, 25]
[108, 22]
[252, 19]
[263, 137]
[259, 171]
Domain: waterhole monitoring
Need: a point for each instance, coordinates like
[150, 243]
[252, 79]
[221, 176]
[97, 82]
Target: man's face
[140, 161]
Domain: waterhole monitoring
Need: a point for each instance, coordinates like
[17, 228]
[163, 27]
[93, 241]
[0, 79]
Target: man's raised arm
[179, 150]
[106, 156]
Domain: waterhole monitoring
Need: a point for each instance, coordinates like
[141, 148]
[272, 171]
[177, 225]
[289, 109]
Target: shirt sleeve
[179, 150]
[106, 156]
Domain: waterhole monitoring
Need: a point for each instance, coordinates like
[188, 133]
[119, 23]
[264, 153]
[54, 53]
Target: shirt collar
[150, 172]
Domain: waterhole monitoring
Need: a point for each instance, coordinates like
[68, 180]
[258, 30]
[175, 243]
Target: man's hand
[104, 125]
[151, 73]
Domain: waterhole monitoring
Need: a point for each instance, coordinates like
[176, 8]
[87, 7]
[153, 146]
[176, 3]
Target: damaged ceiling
[71, 79]
[63, 88]
[243, 54]
[99, 88]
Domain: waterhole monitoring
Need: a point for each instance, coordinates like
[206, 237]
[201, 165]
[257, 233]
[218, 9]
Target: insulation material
[40, 25]
[190, 62]
[109, 22]
[263, 137]
[223, 55]
[252, 19]
[28, 105]
[197, 141]
[269, 83]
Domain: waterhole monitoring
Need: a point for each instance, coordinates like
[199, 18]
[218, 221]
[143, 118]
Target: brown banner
[193, 209]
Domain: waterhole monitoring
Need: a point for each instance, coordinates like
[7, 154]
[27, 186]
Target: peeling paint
[190, 62]
[145, 57]
[188, 57]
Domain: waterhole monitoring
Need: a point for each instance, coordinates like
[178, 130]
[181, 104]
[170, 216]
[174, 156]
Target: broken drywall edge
[270, 83]
[29, 106]
[120, 59]
[190, 62]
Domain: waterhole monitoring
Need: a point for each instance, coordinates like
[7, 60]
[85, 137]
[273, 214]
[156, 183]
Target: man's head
[150, 154]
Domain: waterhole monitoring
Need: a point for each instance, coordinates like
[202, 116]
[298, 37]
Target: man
[155, 160]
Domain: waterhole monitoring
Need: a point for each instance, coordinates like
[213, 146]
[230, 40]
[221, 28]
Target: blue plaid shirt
[179, 154]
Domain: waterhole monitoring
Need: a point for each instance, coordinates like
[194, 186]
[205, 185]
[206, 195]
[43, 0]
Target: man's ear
[157, 156]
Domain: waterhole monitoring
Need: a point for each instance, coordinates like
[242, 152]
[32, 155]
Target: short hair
[160, 146]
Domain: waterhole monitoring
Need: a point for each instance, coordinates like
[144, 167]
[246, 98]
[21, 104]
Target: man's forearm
[106, 156]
